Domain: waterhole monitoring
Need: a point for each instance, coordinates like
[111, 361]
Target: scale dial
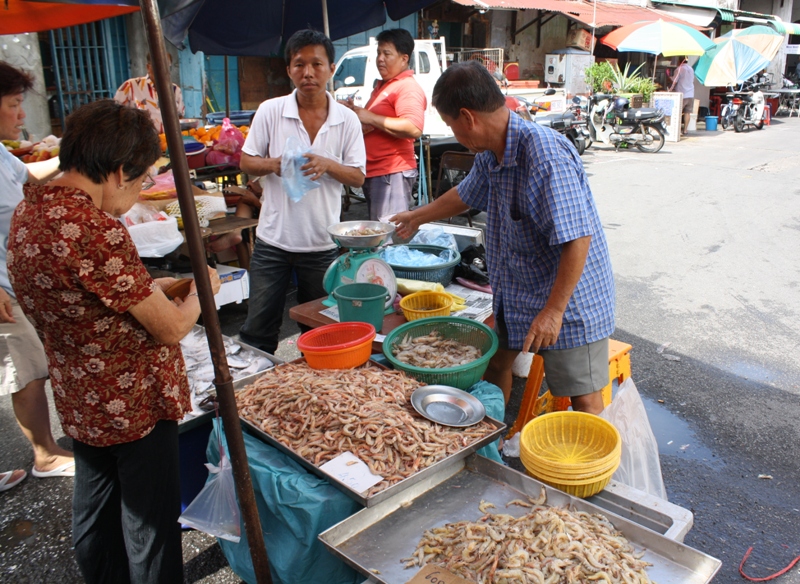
[377, 271]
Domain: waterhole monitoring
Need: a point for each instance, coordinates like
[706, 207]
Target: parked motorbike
[745, 106]
[612, 121]
[565, 123]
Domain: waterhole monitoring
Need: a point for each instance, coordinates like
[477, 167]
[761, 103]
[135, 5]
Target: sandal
[5, 479]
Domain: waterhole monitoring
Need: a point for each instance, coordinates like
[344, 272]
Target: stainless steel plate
[337, 232]
[447, 405]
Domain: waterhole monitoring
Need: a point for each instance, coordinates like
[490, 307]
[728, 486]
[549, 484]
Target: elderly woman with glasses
[111, 338]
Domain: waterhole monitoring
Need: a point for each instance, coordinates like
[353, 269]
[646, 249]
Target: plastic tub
[361, 302]
[711, 123]
[342, 345]
[442, 273]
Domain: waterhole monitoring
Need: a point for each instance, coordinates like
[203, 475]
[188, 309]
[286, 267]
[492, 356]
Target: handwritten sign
[350, 470]
[431, 574]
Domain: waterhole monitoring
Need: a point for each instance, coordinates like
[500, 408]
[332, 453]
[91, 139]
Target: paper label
[431, 574]
[379, 338]
[350, 470]
[331, 312]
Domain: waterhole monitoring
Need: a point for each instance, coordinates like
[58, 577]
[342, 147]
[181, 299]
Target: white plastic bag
[155, 239]
[214, 509]
[640, 467]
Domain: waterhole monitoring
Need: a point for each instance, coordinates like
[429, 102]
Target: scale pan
[376, 234]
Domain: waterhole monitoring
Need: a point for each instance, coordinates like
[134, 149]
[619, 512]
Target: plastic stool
[767, 113]
[714, 105]
[533, 404]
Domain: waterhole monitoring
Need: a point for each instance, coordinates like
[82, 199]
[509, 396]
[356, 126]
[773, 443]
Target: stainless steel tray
[372, 500]
[379, 537]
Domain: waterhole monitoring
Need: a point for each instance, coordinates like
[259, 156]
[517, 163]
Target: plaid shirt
[537, 200]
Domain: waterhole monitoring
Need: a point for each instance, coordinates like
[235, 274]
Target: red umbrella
[18, 16]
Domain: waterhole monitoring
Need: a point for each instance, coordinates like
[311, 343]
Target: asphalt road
[704, 238]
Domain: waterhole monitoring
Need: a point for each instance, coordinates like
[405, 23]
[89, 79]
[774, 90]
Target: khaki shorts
[22, 353]
[688, 105]
[569, 372]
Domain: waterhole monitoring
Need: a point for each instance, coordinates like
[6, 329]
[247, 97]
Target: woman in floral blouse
[111, 338]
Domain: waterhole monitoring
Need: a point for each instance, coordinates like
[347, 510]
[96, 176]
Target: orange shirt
[399, 97]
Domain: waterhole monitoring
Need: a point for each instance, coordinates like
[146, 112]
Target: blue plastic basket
[441, 273]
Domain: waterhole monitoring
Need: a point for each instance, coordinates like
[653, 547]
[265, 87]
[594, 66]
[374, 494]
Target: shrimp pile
[364, 231]
[547, 545]
[433, 351]
[319, 414]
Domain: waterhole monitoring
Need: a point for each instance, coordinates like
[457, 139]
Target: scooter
[612, 121]
[565, 123]
[749, 108]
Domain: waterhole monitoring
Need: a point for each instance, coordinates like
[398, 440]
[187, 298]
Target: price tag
[431, 574]
[379, 338]
[351, 471]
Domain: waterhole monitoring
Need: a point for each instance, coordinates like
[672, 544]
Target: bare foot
[225, 241]
[53, 461]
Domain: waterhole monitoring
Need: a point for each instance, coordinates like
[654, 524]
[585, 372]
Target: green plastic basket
[442, 273]
[462, 330]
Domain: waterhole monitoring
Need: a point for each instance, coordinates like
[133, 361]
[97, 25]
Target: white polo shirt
[302, 226]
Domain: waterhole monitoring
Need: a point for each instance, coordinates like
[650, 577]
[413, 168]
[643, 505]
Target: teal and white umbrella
[738, 55]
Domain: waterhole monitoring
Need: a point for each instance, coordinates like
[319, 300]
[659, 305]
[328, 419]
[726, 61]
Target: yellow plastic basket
[425, 304]
[578, 488]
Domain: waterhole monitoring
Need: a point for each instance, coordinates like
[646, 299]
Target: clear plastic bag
[401, 255]
[640, 466]
[215, 510]
[435, 236]
[295, 183]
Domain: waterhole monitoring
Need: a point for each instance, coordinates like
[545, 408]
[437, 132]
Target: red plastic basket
[342, 345]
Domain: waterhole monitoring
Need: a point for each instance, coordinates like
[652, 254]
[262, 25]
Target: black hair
[400, 38]
[13, 80]
[103, 136]
[467, 85]
[305, 38]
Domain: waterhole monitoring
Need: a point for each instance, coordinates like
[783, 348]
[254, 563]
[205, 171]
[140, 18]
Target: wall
[138, 49]
[524, 50]
[22, 51]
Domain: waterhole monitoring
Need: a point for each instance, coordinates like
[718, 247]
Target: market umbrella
[738, 55]
[260, 27]
[658, 37]
[18, 16]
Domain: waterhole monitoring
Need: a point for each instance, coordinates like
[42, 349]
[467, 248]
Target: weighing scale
[362, 263]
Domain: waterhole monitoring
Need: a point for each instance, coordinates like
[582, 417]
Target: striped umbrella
[738, 55]
[658, 38]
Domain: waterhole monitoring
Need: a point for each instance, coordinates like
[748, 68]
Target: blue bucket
[711, 123]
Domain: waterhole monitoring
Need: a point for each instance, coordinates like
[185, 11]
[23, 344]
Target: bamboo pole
[197, 254]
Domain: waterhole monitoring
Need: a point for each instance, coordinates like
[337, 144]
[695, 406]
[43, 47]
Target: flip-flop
[5, 480]
[65, 470]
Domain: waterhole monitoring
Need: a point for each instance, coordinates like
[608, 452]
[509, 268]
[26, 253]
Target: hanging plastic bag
[228, 149]
[640, 466]
[295, 183]
[215, 510]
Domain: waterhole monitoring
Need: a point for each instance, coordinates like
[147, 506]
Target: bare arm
[318, 165]
[41, 172]
[396, 127]
[547, 325]
[258, 166]
[166, 321]
[448, 205]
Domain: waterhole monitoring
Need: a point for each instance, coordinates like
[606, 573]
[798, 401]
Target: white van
[356, 74]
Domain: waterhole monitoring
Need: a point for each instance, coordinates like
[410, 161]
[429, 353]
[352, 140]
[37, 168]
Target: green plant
[645, 86]
[603, 78]
[625, 82]
[599, 76]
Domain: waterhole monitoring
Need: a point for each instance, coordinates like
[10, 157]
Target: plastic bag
[215, 510]
[142, 213]
[155, 239]
[640, 467]
[228, 149]
[295, 183]
[400, 255]
[435, 236]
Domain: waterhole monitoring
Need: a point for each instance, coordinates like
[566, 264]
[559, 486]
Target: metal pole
[326, 28]
[227, 91]
[197, 254]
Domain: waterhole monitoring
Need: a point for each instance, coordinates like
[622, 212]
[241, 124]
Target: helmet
[621, 103]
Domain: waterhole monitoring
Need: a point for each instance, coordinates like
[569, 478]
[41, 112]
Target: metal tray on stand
[374, 540]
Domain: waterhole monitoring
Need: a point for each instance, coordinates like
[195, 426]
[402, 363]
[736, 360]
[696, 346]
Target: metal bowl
[190, 123]
[338, 230]
[448, 405]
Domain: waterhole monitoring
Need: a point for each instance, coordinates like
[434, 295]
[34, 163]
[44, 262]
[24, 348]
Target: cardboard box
[580, 39]
[235, 285]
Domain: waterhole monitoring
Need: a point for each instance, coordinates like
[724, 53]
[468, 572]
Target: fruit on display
[44, 150]
[12, 145]
[207, 135]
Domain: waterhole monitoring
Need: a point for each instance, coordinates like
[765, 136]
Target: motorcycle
[611, 121]
[565, 123]
[745, 106]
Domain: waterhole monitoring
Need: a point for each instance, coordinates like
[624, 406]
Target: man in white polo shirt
[292, 236]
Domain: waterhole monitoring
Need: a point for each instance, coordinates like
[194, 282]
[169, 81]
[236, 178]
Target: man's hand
[260, 166]
[6, 315]
[316, 166]
[544, 330]
[405, 224]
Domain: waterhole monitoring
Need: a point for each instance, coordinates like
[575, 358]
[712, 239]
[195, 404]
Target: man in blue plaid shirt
[546, 251]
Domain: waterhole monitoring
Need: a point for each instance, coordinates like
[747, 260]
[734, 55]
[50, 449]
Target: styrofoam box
[235, 285]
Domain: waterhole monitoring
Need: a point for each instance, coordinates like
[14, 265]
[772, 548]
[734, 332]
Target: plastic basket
[582, 489]
[462, 330]
[417, 305]
[441, 273]
[342, 345]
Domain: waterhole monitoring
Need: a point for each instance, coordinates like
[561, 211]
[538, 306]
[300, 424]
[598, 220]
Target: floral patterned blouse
[76, 272]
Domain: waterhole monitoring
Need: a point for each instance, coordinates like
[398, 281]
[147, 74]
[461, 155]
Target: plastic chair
[533, 404]
[454, 164]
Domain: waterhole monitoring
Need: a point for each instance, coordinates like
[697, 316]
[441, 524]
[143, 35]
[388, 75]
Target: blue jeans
[125, 509]
[270, 275]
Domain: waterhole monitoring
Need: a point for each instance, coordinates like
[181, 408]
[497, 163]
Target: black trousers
[125, 510]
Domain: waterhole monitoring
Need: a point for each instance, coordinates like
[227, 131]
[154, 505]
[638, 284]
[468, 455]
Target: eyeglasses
[148, 183]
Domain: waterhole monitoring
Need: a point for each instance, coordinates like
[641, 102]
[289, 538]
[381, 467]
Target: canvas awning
[17, 16]
[584, 12]
[697, 15]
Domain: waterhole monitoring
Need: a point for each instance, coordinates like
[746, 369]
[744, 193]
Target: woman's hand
[6, 313]
[213, 277]
[165, 283]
